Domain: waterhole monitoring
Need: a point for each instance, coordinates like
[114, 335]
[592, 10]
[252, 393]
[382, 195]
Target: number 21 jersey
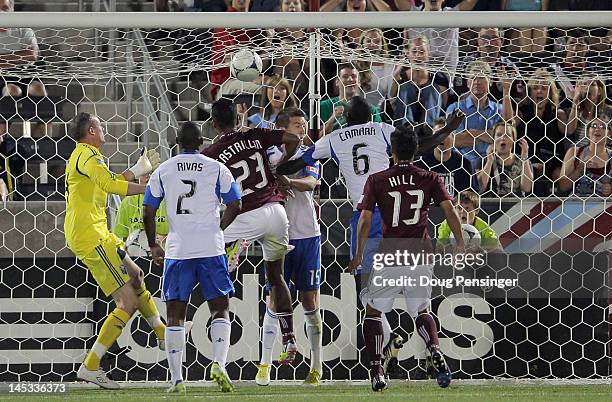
[358, 150]
[244, 153]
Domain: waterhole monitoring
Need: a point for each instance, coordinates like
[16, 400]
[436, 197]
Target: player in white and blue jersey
[193, 186]
[302, 266]
[361, 149]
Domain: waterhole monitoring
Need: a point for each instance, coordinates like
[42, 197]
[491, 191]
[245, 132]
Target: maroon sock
[286, 323]
[373, 335]
[427, 329]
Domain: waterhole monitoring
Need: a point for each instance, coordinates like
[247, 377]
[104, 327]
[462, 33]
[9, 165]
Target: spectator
[275, 95]
[375, 77]
[467, 205]
[504, 173]
[444, 42]
[351, 37]
[481, 113]
[574, 64]
[529, 40]
[589, 100]
[588, 169]
[422, 95]
[13, 155]
[18, 47]
[454, 168]
[542, 123]
[293, 70]
[489, 50]
[333, 110]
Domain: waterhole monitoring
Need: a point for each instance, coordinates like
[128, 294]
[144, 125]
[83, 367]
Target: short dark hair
[285, 115]
[359, 111]
[80, 124]
[342, 66]
[189, 136]
[223, 113]
[404, 143]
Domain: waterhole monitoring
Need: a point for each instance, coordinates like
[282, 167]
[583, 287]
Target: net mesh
[144, 83]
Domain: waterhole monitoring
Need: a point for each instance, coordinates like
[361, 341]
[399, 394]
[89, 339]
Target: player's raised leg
[120, 281]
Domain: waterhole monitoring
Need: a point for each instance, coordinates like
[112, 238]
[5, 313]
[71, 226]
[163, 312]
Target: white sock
[220, 331]
[175, 345]
[314, 331]
[268, 336]
[386, 329]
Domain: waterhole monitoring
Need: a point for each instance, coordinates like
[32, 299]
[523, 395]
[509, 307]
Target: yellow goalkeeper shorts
[106, 265]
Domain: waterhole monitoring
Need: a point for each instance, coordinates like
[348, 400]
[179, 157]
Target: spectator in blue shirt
[481, 113]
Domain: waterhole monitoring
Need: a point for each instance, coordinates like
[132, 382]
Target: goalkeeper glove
[148, 162]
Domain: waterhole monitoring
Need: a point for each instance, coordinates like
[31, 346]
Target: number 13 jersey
[192, 186]
[244, 153]
[358, 150]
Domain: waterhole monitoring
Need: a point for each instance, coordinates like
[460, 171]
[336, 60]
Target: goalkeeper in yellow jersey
[88, 182]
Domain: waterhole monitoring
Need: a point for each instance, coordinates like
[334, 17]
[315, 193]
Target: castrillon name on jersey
[356, 132]
[399, 180]
[238, 146]
[189, 166]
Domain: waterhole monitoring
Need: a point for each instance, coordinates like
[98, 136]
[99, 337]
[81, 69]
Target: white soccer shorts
[268, 225]
[417, 294]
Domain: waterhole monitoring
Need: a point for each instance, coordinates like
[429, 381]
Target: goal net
[548, 88]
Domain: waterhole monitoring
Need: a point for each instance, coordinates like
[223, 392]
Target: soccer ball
[471, 236]
[246, 65]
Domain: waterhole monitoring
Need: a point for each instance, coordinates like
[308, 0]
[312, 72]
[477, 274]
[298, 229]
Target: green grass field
[421, 392]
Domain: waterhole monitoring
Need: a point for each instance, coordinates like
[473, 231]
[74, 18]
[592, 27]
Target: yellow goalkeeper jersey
[88, 181]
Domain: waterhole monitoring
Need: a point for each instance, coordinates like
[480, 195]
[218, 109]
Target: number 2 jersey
[359, 151]
[192, 185]
[244, 153]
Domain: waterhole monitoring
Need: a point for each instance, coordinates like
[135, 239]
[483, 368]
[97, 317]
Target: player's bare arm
[363, 231]
[452, 123]
[291, 142]
[232, 210]
[454, 223]
[307, 183]
[157, 253]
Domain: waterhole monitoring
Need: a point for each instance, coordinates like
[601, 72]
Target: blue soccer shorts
[303, 264]
[181, 276]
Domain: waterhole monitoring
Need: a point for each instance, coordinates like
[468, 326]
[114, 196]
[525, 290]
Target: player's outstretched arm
[232, 210]
[363, 232]
[454, 223]
[452, 123]
[148, 162]
[290, 167]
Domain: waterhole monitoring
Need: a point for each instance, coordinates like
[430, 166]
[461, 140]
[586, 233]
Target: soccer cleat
[440, 369]
[289, 352]
[97, 377]
[313, 378]
[263, 375]
[391, 351]
[378, 381]
[177, 389]
[233, 253]
[219, 375]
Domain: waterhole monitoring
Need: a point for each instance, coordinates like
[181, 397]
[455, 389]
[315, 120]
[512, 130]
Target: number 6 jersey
[244, 153]
[359, 151]
[193, 186]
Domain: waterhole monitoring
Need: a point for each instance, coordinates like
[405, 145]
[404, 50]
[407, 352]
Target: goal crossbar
[397, 19]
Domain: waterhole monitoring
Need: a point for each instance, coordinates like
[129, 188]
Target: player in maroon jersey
[403, 194]
[263, 217]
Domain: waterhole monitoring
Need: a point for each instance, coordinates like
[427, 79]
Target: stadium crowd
[538, 111]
